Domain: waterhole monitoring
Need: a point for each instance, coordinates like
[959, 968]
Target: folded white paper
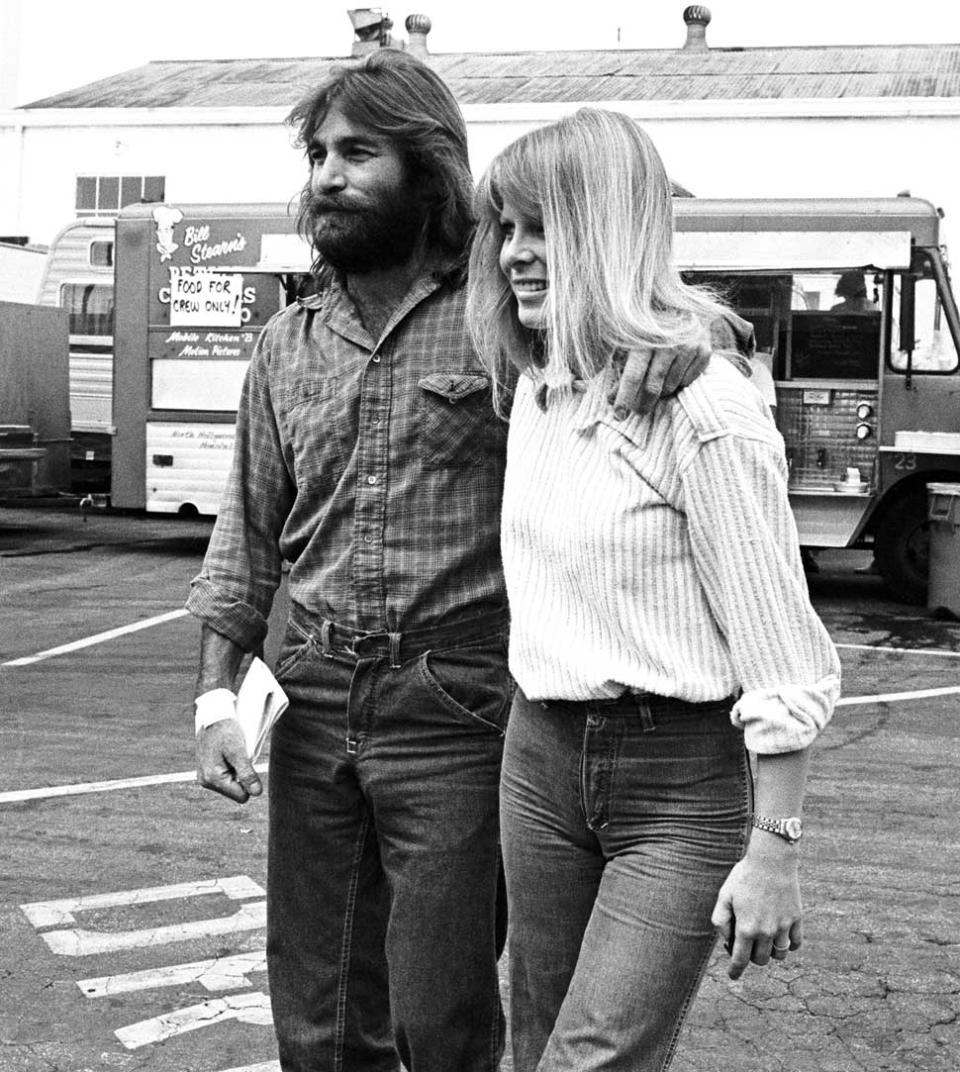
[260, 702]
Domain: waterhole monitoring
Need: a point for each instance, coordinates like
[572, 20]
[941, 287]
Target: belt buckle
[356, 641]
[351, 644]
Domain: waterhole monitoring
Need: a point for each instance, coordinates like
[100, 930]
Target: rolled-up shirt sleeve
[747, 556]
[234, 590]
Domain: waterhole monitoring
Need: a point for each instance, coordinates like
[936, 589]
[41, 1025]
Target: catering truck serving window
[855, 319]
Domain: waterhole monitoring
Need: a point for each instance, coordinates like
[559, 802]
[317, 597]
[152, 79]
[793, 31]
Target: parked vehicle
[867, 391]
[78, 277]
[195, 284]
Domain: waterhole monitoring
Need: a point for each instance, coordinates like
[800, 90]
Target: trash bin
[943, 513]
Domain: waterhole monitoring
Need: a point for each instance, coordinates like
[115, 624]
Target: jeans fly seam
[592, 797]
[345, 948]
[354, 733]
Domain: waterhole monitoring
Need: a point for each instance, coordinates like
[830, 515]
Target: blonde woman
[660, 622]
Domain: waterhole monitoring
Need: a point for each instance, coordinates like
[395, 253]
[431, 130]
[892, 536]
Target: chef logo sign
[203, 297]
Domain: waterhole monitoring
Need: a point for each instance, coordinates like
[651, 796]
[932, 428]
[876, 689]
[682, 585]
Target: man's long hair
[596, 183]
[397, 96]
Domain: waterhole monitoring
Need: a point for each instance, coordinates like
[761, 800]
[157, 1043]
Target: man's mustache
[320, 204]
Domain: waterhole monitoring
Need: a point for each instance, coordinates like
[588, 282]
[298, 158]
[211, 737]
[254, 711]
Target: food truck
[866, 390]
[194, 286]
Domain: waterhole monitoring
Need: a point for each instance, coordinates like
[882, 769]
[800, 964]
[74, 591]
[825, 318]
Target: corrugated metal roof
[617, 74]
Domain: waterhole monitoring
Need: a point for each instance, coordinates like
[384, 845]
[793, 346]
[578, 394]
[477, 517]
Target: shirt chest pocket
[319, 429]
[456, 418]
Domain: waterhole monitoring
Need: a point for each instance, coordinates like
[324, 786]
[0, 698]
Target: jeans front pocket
[294, 648]
[471, 682]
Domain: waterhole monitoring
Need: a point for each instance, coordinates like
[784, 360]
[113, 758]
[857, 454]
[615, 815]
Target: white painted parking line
[894, 697]
[78, 942]
[15, 796]
[217, 973]
[222, 974]
[245, 1008]
[97, 638]
[900, 651]
[60, 913]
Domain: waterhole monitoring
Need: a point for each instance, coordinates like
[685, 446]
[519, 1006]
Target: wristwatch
[790, 829]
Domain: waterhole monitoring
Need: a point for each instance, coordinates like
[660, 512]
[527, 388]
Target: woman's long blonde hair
[597, 183]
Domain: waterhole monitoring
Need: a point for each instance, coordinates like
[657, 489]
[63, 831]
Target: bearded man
[369, 457]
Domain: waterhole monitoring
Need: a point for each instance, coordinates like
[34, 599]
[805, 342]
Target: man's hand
[223, 764]
[646, 376]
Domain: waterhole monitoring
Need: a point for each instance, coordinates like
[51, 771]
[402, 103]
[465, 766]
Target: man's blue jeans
[384, 849]
[620, 820]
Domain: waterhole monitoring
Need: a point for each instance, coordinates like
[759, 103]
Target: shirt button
[376, 359]
[371, 480]
[368, 539]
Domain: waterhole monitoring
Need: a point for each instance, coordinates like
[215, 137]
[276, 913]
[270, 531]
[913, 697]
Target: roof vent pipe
[372, 28]
[697, 18]
[418, 26]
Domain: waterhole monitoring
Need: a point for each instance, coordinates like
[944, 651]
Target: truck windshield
[829, 324]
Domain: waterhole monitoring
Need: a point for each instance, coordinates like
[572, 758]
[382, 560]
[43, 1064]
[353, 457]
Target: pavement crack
[854, 736]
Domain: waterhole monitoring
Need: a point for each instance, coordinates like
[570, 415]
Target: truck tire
[902, 547]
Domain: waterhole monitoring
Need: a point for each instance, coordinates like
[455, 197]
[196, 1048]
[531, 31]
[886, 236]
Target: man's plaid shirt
[374, 468]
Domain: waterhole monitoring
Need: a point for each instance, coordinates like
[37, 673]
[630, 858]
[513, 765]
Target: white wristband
[215, 706]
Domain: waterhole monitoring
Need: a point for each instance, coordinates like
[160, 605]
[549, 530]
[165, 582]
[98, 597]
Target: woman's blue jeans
[619, 821]
[384, 850]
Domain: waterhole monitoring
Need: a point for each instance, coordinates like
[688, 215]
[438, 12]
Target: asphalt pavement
[131, 926]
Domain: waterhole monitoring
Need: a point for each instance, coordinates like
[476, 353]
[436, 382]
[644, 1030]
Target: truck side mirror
[908, 287]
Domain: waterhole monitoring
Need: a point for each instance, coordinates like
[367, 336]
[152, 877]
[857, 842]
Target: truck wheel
[902, 547]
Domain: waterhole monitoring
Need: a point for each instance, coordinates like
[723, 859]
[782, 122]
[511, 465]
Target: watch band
[790, 829]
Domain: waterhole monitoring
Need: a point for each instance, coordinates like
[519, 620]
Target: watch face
[793, 828]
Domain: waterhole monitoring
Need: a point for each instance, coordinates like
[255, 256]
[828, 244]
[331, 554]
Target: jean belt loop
[645, 713]
[395, 663]
[325, 629]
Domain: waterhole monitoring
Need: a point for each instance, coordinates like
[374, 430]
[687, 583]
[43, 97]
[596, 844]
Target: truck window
[90, 306]
[101, 254]
[814, 325]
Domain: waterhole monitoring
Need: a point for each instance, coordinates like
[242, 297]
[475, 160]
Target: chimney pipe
[372, 28]
[418, 26]
[697, 18]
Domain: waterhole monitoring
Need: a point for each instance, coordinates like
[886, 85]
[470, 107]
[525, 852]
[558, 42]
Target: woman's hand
[758, 909]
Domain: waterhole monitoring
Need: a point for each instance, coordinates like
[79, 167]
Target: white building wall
[714, 148]
[762, 155]
[216, 161]
[10, 184]
[20, 273]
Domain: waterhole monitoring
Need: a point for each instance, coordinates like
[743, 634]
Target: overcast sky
[65, 43]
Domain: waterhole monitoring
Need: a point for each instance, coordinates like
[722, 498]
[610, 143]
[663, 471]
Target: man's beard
[358, 238]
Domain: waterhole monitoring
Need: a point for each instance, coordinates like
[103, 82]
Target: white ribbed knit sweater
[659, 554]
